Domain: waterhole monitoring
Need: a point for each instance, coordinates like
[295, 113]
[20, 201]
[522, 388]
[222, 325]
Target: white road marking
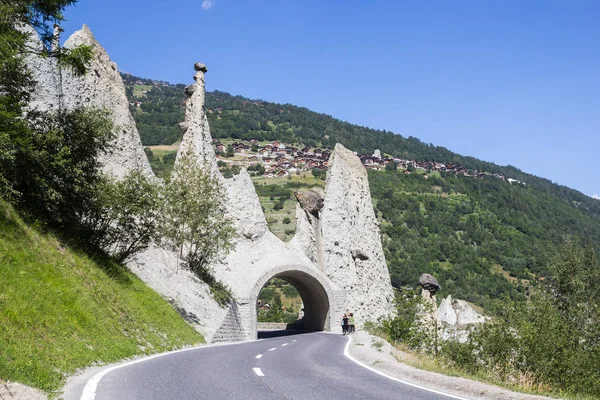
[285, 344]
[258, 356]
[274, 348]
[258, 371]
[294, 340]
[347, 354]
[89, 390]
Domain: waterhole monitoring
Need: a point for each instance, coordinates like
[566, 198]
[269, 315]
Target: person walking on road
[351, 323]
[344, 324]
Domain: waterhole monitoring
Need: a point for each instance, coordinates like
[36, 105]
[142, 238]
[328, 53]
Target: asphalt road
[306, 366]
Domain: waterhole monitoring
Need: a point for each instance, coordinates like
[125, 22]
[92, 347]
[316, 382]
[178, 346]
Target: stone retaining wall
[272, 325]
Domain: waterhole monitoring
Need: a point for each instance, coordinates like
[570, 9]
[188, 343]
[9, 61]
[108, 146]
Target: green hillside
[242, 118]
[483, 238]
[61, 310]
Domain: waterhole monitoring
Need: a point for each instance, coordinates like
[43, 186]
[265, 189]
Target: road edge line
[347, 354]
[90, 387]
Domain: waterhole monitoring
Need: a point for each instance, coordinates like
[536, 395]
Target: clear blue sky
[510, 81]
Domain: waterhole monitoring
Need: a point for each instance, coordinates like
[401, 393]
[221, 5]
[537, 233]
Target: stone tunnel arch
[318, 295]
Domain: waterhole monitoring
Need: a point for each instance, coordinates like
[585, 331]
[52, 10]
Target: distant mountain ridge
[157, 107]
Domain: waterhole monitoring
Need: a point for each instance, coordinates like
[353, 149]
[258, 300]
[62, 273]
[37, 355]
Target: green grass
[140, 90]
[432, 364]
[162, 153]
[275, 218]
[61, 311]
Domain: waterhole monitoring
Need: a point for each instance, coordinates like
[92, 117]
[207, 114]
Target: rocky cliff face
[196, 132]
[102, 87]
[455, 319]
[336, 260]
[454, 312]
[337, 232]
[353, 254]
[44, 70]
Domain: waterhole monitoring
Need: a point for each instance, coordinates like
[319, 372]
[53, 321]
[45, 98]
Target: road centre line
[294, 340]
[274, 348]
[258, 356]
[285, 344]
[258, 371]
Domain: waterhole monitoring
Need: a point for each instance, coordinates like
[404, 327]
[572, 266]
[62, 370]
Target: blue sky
[513, 82]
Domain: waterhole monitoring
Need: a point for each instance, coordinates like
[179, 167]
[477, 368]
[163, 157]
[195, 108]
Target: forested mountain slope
[483, 238]
[161, 109]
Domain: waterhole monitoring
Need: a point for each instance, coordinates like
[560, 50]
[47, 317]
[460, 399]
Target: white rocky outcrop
[46, 94]
[305, 239]
[196, 132]
[353, 254]
[352, 276]
[102, 87]
[456, 318]
[335, 260]
[454, 312]
[158, 268]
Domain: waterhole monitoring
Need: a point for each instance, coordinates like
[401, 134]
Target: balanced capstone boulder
[311, 201]
[428, 282]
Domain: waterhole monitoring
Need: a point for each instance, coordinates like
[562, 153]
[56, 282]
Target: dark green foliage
[462, 230]
[242, 118]
[289, 317]
[286, 220]
[271, 294]
[551, 342]
[128, 216]
[267, 293]
[256, 169]
[401, 327]
[159, 114]
[226, 171]
[55, 170]
[290, 291]
[16, 83]
[275, 312]
[191, 217]
[278, 205]
[274, 191]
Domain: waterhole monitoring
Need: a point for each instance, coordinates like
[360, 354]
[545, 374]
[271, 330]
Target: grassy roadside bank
[406, 355]
[61, 311]
[524, 385]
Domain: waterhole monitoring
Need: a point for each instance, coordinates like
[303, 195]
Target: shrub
[192, 221]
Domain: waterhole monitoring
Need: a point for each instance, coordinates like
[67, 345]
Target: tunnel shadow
[267, 334]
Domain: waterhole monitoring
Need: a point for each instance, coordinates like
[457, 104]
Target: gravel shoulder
[379, 354]
[18, 391]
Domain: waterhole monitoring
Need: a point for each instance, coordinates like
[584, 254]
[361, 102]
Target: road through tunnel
[311, 313]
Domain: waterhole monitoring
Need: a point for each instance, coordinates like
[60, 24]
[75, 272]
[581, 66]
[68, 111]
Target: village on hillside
[276, 159]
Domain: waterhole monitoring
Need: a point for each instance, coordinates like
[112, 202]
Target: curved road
[306, 366]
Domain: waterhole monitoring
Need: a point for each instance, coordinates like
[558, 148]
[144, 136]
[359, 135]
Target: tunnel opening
[292, 301]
